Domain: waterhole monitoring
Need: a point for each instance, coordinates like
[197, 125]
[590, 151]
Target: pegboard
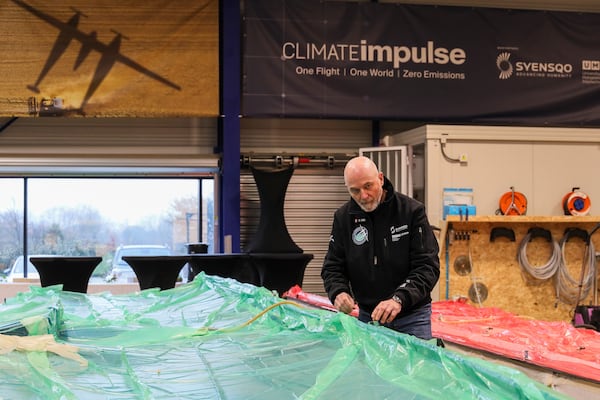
[479, 262]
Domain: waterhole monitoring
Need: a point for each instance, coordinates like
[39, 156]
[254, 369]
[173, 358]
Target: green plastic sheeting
[216, 338]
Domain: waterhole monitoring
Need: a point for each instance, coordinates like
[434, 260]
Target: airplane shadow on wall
[110, 55]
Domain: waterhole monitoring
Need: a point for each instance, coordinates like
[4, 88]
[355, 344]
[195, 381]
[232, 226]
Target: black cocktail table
[157, 271]
[72, 272]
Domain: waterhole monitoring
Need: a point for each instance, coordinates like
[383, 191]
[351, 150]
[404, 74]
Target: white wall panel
[542, 163]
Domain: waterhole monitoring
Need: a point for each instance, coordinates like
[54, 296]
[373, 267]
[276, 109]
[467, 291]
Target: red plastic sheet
[555, 345]
[316, 300]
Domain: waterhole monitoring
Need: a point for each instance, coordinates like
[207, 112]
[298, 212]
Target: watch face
[396, 299]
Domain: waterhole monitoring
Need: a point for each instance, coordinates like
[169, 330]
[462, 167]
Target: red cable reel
[576, 202]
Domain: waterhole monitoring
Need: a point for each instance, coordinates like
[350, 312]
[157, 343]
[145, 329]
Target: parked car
[16, 269]
[121, 272]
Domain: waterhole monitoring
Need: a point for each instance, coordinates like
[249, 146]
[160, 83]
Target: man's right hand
[344, 303]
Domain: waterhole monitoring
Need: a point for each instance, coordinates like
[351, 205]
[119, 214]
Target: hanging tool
[462, 265]
[478, 291]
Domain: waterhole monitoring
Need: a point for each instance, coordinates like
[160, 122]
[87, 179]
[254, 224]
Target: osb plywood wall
[497, 271]
[109, 58]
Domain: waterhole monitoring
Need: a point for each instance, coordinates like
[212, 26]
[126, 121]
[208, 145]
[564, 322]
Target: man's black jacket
[374, 255]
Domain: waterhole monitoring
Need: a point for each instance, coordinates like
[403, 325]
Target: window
[94, 216]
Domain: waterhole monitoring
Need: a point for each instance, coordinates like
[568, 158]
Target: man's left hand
[386, 311]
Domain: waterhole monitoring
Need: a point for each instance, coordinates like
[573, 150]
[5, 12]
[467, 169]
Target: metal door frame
[394, 162]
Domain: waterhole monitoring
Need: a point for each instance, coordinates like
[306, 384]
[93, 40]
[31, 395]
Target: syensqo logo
[504, 65]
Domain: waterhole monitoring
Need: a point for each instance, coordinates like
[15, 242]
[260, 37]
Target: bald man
[382, 254]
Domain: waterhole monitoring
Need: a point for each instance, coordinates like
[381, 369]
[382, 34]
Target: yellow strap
[44, 343]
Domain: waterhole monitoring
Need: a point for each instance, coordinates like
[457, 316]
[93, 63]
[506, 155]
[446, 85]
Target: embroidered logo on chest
[360, 235]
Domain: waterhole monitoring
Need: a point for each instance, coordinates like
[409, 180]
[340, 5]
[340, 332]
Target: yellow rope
[205, 330]
[465, 321]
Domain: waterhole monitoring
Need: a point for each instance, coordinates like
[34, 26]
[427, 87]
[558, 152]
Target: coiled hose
[542, 272]
[568, 289]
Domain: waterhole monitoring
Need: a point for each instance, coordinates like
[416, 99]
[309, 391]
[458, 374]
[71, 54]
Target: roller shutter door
[311, 199]
[33, 146]
[314, 192]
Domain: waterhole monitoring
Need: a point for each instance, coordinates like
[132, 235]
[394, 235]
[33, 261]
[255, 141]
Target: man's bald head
[359, 166]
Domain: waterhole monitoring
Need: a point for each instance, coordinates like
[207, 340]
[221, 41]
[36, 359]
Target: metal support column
[229, 127]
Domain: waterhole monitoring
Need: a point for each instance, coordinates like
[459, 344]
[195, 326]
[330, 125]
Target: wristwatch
[397, 299]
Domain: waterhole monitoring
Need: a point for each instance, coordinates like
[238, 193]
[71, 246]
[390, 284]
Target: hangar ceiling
[554, 5]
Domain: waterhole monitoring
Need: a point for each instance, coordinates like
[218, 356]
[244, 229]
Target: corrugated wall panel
[298, 135]
[313, 193]
[109, 141]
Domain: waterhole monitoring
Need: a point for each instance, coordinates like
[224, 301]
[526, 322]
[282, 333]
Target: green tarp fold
[216, 338]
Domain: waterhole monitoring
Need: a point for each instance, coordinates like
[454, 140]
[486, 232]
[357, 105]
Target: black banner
[312, 58]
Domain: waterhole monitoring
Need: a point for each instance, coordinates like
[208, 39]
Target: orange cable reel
[576, 203]
[513, 203]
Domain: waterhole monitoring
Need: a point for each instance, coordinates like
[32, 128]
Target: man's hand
[386, 311]
[344, 303]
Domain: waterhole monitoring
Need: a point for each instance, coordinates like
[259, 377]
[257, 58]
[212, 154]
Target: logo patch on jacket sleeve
[360, 235]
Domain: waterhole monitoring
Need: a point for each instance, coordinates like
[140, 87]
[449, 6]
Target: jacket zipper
[384, 251]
